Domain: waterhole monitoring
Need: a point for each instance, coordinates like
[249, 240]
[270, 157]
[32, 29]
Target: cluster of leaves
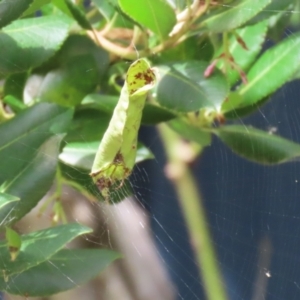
[62, 63]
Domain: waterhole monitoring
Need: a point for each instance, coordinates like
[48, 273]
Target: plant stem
[194, 213]
[130, 52]
[226, 52]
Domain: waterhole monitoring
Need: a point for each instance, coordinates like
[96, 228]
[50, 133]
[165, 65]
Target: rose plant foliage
[63, 65]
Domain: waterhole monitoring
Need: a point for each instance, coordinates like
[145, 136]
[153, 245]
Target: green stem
[59, 214]
[80, 189]
[194, 213]
[58, 209]
[110, 24]
[92, 13]
[226, 52]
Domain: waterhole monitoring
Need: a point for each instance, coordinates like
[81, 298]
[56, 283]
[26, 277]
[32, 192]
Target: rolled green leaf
[116, 154]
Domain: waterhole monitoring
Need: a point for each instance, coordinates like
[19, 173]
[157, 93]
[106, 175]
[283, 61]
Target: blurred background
[253, 212]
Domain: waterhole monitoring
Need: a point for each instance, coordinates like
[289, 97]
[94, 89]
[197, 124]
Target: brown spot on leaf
[138, 75]
[103, 183]
[148, 79]
[118, 158]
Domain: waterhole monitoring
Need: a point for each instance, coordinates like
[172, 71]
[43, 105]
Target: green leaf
[62, 6]
[191, 132]
[183, 87]
[82, 66]
[65, 270]
[81, 155]
[6, 199]
[11, 10]
[143, 153]
[28, 43]
[115, 157]
[243, 111]
[78, 45]
[35, 6]
[67, 86]
[104, 103]
[238, 13]
[152, 114]
[38, 247]
[14, 85]
[191, 48]
[13, 238]
[257, 145]
[122, 20]
[32, 182]
[275, 7]
[233, 101]
[296, 75]
[253, 37]
[156, 15]
[279, 23]
[88, 125]
[23, 135]
[81, 180]
[105, 8]
[78, 15]
[275, 67]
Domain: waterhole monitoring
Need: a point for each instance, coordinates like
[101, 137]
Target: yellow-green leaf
[13, 242]
[157, 15]
[116, 155]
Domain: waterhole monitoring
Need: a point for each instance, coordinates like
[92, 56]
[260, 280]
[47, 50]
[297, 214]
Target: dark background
[245, 204]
